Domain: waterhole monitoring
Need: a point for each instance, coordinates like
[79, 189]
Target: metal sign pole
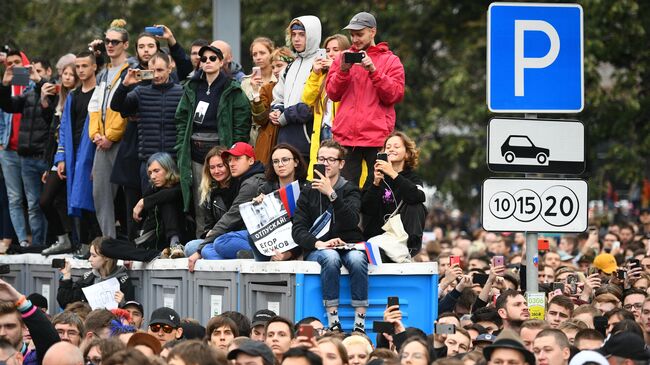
[532, 252]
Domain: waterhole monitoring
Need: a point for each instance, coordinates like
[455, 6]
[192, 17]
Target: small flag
[289, 196]
[372, 251]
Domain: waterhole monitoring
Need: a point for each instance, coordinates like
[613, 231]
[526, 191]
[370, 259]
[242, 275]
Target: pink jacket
[366, 115]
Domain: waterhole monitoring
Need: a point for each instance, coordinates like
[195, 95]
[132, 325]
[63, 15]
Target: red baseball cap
[239, 149]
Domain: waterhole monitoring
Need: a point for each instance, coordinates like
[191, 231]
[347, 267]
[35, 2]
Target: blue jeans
[192, 247]
[226, 246]
[24, 174]
[330, 274]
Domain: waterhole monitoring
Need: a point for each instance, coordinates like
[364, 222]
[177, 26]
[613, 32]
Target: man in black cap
[165, 325]
[137, 313]
[367, 88]
[252, 352]
[259, 323]
[508, 350]
[625, 348]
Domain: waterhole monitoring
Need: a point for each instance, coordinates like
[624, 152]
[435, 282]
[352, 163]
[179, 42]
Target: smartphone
[144, 75]
[382, 156]
[159, 31]
[558, 285]
[616, 245]
[592, 270]
[383, 327]
[354, 57]
[4, 269]
[257, 71]
[600, 324]
[621, 274]
[572, 281]
[454, 261]
[57, 88]
[306, 330]
[21, 76]
[480, 279]
[321, 53]
[58, 263]
[634, 263]
[320, 168]
[445, 329]
[498, 261]
[393, 301]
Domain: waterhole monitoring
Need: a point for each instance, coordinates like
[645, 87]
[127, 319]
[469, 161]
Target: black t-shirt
[210, 95]
[79, 113]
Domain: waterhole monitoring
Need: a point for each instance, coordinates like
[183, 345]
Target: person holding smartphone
[315, 95]
[368, 91]
[331, 192]
[394, 182]
[22, 157]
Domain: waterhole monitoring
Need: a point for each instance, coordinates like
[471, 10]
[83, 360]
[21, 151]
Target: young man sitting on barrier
[334, 195]
[229, 235]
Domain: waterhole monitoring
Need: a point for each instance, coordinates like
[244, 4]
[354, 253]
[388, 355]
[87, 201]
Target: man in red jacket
[367, 91]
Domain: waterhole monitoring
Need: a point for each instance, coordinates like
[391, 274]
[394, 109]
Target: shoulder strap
[399, 206]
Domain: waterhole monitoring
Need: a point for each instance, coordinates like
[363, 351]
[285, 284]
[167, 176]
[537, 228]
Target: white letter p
[522, 63]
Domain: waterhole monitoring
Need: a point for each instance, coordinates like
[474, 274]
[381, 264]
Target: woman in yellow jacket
[315, 96]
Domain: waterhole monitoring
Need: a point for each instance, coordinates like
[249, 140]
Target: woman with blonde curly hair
[396, 186]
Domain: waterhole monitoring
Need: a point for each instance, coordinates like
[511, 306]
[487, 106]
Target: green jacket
[233, 125]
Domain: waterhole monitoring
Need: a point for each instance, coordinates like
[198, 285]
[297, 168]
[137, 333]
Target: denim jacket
[5, 122]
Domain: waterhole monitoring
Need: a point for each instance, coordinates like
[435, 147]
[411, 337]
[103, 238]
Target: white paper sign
[216, 305]
[269, 223]
[102, 295]
[45, 291]
[274, 306]
[168, 301]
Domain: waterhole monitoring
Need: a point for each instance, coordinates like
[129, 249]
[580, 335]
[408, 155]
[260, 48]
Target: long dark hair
[301, 170]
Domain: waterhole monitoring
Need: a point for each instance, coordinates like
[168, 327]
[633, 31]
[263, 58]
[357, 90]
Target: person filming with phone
[331, 194]
[155, 105]
[367, 80]
[396, 188]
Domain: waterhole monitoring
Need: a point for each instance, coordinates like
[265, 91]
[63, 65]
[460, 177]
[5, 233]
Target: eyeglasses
[415, 355]
[211, 58]
[93, 360]
[283, 161]
[113, 42]
[629, 307]
[69, 333]
[328, 160]
[165, 328]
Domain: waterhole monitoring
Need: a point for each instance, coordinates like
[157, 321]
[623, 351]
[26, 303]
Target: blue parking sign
[535, 58]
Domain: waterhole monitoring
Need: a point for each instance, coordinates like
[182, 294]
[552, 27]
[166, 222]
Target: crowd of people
[150, 156]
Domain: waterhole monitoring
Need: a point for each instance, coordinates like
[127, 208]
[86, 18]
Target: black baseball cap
[261, 317]
[211, 48]
[627, 345]
[166, 316]
[134, 304]
[253, 348]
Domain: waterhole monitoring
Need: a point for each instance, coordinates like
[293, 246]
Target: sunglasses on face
[155, 328]
[112, 42]
[211, 58]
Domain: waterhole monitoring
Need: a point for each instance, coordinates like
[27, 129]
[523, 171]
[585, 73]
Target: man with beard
[512, 308]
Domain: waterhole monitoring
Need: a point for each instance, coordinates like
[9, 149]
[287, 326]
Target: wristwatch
[332, 197]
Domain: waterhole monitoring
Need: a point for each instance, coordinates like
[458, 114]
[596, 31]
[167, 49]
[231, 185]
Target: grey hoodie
[288, 90]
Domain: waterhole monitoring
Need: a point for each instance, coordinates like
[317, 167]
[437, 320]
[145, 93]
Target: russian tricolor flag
[372, 251]
[289, 196]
